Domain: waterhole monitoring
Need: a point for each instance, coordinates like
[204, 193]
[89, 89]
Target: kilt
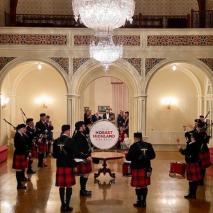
[193, 172]
[19, 162]
[139, 178]
[205, 159]
[83, 168]
[65, 177]
[126, 169]
[34, 152]
[42, 147]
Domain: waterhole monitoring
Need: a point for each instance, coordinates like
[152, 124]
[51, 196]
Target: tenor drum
[177, 170]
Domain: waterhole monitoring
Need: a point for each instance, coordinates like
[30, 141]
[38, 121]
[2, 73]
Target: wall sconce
[174, 67]
[169, 102]
[43, 101]
[4, 100]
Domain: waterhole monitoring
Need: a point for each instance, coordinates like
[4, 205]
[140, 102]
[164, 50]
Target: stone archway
[121, 70]
[18, 62]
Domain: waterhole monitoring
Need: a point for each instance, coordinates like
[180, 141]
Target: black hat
[42, 114]
[20, 126]
[79, 124]
[29, 120]
[65, 127]
[138, 135]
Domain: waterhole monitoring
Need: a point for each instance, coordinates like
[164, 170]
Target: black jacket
[63, 152]
[191, 152]
[20, 143]
[140, 154]
[41, 128]
[31, 134]
[80, 145]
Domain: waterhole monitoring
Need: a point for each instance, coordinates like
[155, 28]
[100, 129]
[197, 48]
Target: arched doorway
[121, 70]
[176, 95]
[34, 86]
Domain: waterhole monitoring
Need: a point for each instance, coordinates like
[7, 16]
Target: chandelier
[106, 52]
[103, 15]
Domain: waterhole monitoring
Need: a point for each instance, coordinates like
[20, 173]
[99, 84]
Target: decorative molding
[208, 62]
[62, 62]
[180, 40]
[4, 61]
[33, 39]
[150, 63]
[126, 40]
[136, 63]
[77, 62]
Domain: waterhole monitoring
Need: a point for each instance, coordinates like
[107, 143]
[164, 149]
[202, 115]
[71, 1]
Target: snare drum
[177, 170]
[126, 168]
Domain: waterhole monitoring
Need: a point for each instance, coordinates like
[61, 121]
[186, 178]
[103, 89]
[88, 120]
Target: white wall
[34, 83]
[165, 125]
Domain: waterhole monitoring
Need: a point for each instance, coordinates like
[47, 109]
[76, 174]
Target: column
[73, 109]
[141, 113]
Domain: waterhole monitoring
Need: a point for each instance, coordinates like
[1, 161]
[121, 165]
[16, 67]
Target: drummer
[193, 169]
[82, 150]
[140, 154]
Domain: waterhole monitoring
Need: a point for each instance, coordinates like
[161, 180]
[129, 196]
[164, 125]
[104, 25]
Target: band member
[65, 179]
[140, 154]
[193, 169]
[82, 150]
[31, 134]
[41, 131]
[49, 134]
[20, 154]
[120, 119]
[126, 122]
[204, 155]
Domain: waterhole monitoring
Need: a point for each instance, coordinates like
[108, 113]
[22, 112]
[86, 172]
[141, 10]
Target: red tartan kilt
[19, 162]
[139, 178]
[177, 168]
[34, 152]
[83, 168]
[205, 159]
[65, 177]
[193, 172]
[42, 147]
[126, 169]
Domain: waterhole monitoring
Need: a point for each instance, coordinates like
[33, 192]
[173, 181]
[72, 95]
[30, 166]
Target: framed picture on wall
[102, 109]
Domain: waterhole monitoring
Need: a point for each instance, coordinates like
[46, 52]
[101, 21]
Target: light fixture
[169, 102]
[39, 66]
[106, 52]
[103, 15]
[43, 101]
[174, 67]
[4, 100]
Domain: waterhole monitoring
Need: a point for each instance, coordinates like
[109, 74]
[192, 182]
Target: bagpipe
[7, 122]
[24, 117]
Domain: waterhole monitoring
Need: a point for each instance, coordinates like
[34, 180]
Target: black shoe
[85, 193]
[189, 196]
[21, 187]
[31, 172]
[138, 205]
[201, 183]
[69, 209]
[63, 208]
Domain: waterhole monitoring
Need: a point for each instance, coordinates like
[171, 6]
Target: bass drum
[104, 135]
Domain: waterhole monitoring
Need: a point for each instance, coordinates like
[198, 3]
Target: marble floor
[165, 193]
